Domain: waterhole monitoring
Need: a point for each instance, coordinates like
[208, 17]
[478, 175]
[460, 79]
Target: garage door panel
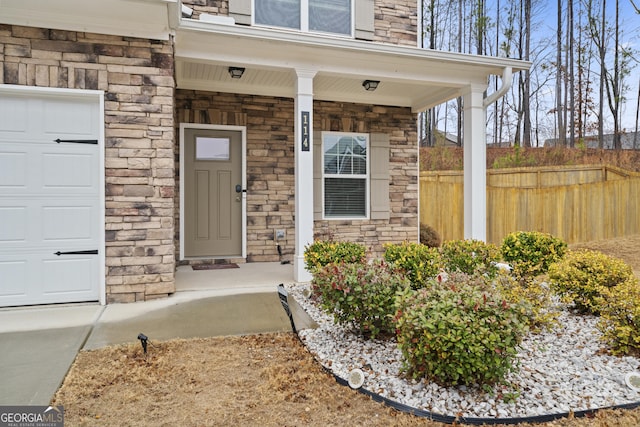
[14, 116]
[64, 223]
[72, 277]
[13, 170]
[19, 269]
[19, 162]
[13, 224]
[71, 171]
[69, 118]
[39, 276]
[15, 274]
[50, 198]
[19, 224]
[48, 170]
[48, 118]
[51, 224]
[54, 279]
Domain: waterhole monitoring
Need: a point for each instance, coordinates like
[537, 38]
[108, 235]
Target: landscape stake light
[143, 340]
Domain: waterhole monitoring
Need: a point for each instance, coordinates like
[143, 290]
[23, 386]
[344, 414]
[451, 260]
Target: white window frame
[367, 177]
[304, 20]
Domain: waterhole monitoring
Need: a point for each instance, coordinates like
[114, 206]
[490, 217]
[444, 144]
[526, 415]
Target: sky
[544, 22]
[630, 24]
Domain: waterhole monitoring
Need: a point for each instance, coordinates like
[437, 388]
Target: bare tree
[562, 137]
[612, 76]
[526, 80]
[460, 44]
[584, 105]
[571, 74]
[597, 33]
[635, 135]
[584, 52]
[615, 83]
[429, 117]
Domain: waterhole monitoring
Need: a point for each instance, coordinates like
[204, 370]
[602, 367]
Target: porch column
[303, 171]
[475, 164]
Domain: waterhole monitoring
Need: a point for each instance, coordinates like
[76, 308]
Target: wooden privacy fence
[575, 203]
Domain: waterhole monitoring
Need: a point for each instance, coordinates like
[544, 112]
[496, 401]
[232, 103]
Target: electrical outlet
[279, 234]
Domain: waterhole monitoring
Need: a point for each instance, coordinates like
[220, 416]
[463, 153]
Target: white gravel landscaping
[559, 371]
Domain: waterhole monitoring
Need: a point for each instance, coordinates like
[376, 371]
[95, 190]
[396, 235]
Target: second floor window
[326, 16]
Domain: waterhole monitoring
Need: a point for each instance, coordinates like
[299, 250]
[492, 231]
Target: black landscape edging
[448, 419]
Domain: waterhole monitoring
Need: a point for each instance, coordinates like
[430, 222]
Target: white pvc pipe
[187, 11]
[507, 79]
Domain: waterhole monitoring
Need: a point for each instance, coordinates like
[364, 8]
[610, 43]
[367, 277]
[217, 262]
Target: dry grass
[450, 158]
[260, 380]
[625, 248]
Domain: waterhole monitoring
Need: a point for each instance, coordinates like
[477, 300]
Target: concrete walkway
[39, 344]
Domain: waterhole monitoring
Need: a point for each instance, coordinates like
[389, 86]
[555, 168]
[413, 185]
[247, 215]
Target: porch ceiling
[211, 76]
[409, 77]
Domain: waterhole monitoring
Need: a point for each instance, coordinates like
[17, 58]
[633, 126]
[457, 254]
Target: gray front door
[213, 206]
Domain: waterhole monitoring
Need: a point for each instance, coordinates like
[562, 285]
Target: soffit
[410, 77]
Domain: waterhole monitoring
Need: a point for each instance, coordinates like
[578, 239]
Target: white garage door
[51, 220]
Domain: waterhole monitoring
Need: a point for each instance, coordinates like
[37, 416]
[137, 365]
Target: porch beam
[303, 170]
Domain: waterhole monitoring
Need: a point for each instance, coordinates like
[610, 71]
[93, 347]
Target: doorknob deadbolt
[239, 189]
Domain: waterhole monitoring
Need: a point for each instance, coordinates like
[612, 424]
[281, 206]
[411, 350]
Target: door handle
[89, 252]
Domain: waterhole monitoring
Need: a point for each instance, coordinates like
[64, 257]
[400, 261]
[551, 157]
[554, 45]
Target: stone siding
[137, 78]
[212, 7]
[270, 166]
[270, 162]
[400, 124]
[395, 22]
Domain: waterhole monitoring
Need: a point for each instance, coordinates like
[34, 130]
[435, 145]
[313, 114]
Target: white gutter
[507, 79]
[420, 36]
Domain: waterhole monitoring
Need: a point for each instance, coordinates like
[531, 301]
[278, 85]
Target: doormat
[214, 266]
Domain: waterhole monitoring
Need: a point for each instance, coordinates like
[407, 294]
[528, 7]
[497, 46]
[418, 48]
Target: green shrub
[324, 252]
[530, 253]
[419, 262]
[429, 236]
[620, 317]
[535, 298]
[362, 295]
[459, 332]
[582, 276]
[470, 257]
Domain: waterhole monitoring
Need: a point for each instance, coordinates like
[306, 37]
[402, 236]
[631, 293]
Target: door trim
[98, 97]
[243, 132]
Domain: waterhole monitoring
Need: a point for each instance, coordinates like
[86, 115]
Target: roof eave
[321, 41]
[148, 19]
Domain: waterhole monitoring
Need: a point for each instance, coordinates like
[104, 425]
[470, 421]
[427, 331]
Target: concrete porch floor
[249, 277]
